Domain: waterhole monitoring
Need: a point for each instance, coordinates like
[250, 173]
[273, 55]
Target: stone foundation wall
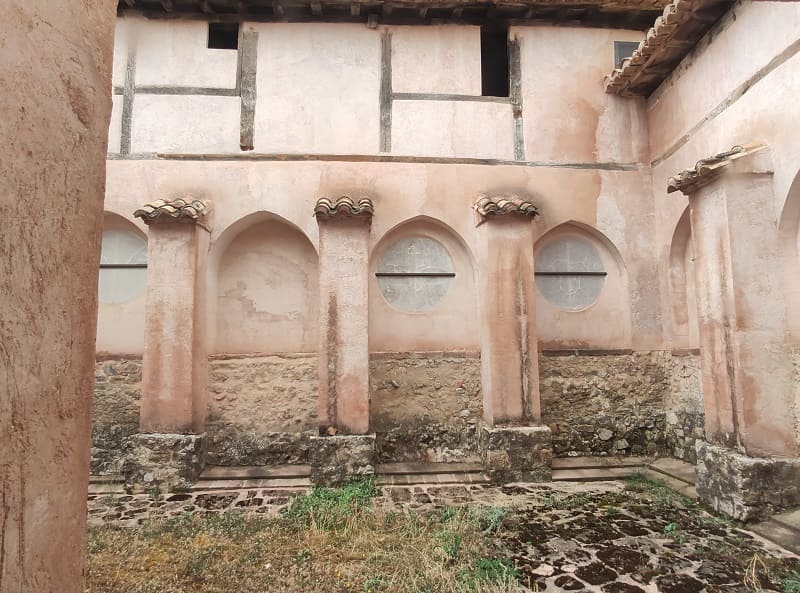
[685, 416]
[426, 406]
[746, 488]
[262, 410]
[605, 403]
[115, 412]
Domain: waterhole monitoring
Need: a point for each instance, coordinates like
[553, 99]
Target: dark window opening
[622, 50]
[223, 35]
[494, 61]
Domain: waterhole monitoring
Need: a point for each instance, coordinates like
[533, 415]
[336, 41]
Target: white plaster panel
[187, 123]
[175, 53]
[444, 59]
[115, 124]
[124, 32]
[453, 129]
[563, 98]
[317, 93]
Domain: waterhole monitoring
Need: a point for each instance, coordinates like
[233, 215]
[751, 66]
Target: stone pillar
[515, 445]
[749, 466]
[168, 452]
[55, 69]
[344, 225]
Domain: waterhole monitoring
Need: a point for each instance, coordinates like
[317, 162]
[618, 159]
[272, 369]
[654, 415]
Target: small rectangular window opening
[223, 35]
[622, 50]
[494, 61]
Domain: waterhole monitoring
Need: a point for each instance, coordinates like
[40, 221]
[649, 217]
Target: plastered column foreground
[514, 445]
[749, 467]
[174, 365]
[343, 288]
[168, 453]
[55, 71]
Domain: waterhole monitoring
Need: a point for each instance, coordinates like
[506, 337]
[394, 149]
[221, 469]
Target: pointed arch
[603, 319]
[122, 286]
[263, 288]
[446, 323]
[789, 238]
[683, 300]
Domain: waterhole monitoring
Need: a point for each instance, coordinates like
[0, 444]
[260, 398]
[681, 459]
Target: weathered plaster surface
[55, 71]
[267, 297]
[261, 409]
[115, 411]
[425, 406]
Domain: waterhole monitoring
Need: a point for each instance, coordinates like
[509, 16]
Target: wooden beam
[457, 12]
[277, 8]
[316, 8]
[206, 7]
[130, 3]
[355, 9]
[423, 13]
[167, 5]
[387, 9]
[372, 21]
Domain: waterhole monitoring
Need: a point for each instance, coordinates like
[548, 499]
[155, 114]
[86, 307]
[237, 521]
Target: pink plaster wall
[55, 69]
[267, 292]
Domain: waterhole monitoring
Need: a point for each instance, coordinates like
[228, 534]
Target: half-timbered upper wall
[346, 89]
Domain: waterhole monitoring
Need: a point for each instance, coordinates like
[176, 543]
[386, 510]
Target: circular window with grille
[415, 274]
[569, 273]
[123, 266]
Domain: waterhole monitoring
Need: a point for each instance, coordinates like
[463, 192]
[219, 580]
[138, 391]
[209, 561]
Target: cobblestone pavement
[576, 537]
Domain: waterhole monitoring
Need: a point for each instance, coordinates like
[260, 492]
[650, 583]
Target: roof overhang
[623, 14]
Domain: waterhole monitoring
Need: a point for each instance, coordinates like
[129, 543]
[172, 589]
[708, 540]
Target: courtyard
[610, 537]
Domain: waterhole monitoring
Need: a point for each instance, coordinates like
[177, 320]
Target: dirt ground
[607, 537]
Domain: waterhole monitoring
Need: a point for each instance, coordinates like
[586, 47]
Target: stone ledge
[166, 462]
[746, 488]
[337, 459]
[517, 453]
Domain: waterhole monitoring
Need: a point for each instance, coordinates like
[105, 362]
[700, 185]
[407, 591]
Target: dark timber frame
[623, 14]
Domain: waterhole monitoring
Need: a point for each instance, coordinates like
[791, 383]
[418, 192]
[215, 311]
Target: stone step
[421, 467]
[674, 468]
[783, 529]
[427, 478]
[598, 462]
[220, 472]
[596, 474]
[679, 486]
[250, 483]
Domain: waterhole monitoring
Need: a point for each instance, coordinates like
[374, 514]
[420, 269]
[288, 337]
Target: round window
[415, 274]
[570, 273]
[123, 266]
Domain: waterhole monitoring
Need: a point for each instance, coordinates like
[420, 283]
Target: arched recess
[121, 287]
[683, 298]
[264, 288]
[424, 338]
[582, 300]
[789, 236]
[444, 316]
[263, 319]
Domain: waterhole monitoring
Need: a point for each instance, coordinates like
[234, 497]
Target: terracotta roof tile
[344, 206]
[706, 169]
[499, 205]
[177, 210]
[682, 24]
